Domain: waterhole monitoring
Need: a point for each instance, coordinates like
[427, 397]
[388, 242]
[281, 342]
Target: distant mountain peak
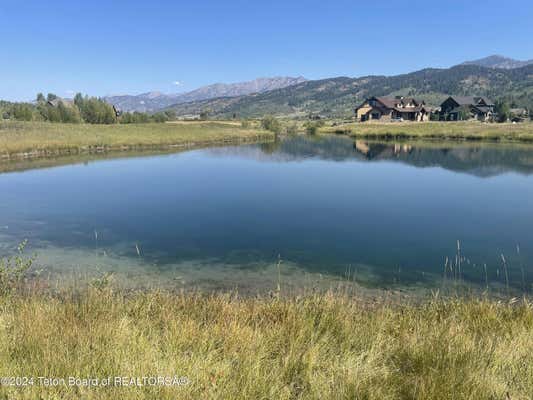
[498, 61]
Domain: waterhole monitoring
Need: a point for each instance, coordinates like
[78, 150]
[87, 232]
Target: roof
[409, 109]
[391, 102]
[470, 100]
[56, 101]
[483, 109]
[458, 110]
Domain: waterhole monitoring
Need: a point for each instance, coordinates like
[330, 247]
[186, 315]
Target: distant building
[392, 108]
[116, 110]
[519, 114]
[55, 102]
[456, 108]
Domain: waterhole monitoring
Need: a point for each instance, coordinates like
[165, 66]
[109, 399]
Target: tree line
[82, 109]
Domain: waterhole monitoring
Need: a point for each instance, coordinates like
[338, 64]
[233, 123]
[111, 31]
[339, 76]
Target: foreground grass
[30, 139]
[437, 130]
[323, 346]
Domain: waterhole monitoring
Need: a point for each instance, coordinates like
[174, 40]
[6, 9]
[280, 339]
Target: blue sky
[109, 47]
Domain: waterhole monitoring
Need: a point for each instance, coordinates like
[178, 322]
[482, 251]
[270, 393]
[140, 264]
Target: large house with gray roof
[456, 108]
[392, 108]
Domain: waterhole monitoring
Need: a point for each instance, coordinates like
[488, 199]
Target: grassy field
[436, 130]
[35, 139]
[322, 346]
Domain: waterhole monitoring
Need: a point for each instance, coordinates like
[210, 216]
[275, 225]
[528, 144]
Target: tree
[160, 117]
[171, 115]
[464, 113]
[40, 98]
[68, 114]
[51, 97]
[311, 128]
[22, 112]
[502, 110]
[204, 114]
[78, 100]
[270, 123]
[95, 111]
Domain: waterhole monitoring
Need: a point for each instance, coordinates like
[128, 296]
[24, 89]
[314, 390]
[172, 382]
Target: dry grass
[323, 346]
[437, 130]
[42, 138]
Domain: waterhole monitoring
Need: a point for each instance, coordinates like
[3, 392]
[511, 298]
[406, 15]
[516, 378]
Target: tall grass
[437, 130]
[321, 346]
[30, 139]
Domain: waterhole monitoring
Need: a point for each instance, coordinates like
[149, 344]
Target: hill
[155, 101]
[337, 97]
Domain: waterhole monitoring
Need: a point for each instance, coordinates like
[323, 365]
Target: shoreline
[434, 131]
[31, 141]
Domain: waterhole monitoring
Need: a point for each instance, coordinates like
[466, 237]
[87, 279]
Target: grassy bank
[36, 139]
[316, 347]
[436, 130]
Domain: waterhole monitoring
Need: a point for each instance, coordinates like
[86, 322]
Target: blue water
[395, 212]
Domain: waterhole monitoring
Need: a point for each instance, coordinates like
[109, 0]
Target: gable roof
[470, 100]
[66, 102]
[392, 103]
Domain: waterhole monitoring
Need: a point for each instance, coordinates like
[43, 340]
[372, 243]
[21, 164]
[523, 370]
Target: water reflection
[479, 159]
[388, 213]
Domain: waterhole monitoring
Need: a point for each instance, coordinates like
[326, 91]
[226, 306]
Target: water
[386, 214]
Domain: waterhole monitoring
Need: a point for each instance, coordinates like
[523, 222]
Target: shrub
[13, 270]
[22, 112]
[292, 129]
[271, 124]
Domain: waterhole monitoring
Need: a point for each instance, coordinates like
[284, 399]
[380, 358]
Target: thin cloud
[177, 83]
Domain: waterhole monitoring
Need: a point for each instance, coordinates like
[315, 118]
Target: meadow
[223, 346]
[38, 139]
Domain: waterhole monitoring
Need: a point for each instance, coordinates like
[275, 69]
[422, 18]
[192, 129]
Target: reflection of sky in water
[320, 204]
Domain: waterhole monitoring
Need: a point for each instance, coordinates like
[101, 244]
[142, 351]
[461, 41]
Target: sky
[130, 47]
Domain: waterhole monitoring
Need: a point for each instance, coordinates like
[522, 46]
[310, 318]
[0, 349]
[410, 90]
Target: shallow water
[386, 214]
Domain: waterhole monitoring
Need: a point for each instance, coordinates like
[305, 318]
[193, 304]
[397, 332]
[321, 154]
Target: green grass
[322, 346]
[35, 139]
[436, 130]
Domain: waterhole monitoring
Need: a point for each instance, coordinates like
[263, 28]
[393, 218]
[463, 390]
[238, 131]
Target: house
[519, 114]
[58, 100]
[392, 108]
[456, 108]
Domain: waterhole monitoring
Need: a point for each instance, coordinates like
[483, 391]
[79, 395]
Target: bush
[22, 112]
[13, 270]
[271, 124]
[292, 129]
[311, 128]
[160, 117]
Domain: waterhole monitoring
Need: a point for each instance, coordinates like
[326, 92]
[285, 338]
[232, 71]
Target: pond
[385, 215]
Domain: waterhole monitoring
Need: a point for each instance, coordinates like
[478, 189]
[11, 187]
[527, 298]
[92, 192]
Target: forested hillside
[338, 96]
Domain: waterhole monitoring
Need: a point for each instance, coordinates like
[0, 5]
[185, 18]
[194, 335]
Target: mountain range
[155, 101]
[494, 76]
